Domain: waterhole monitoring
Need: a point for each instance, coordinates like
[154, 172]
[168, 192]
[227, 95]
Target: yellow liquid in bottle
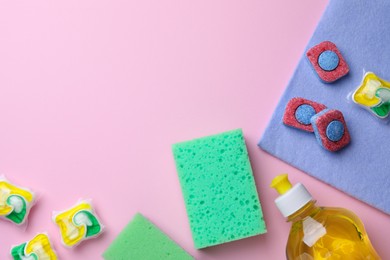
[327, 233]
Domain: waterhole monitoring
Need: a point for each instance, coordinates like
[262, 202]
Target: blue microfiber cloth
[361, 31]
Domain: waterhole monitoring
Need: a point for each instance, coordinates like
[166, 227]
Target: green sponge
[218, 189]
[140, 239]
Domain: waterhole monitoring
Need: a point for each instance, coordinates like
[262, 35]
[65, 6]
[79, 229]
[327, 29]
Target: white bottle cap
[292, 198]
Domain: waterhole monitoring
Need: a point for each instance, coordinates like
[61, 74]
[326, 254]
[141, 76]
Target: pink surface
[93, 94]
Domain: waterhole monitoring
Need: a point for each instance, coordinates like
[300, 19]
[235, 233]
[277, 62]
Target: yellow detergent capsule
[41, 247]
[77, 224]
[365, 94]
[38, 248]
[15, 202]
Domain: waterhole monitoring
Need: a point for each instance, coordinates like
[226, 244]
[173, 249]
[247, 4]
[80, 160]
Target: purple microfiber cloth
[361, 31]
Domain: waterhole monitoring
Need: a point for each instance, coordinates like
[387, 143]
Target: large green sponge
[218, 188]
[140, 239]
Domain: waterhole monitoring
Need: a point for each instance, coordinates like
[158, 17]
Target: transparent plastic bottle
[320, 232]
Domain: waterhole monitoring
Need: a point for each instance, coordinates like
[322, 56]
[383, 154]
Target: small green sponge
[140, 239]
[218, 189]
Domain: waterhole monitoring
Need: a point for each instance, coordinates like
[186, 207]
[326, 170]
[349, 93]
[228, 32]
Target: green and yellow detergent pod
[78, 223]
[15, 202]
[38, 248]
[374, 95]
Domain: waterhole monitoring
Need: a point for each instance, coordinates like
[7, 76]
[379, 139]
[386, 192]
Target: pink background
[93, 93]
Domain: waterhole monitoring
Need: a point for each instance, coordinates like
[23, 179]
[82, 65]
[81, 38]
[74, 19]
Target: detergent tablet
[331, 130]
[299, 111]
[327, 61]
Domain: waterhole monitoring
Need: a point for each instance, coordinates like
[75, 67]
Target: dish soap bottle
[320, 232]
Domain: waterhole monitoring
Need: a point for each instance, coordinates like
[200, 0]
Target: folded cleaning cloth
[361, 31]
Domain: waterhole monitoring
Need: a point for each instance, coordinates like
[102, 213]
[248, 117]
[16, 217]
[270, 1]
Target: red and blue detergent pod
[331, 130]
[299, 111]
[327, 61]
